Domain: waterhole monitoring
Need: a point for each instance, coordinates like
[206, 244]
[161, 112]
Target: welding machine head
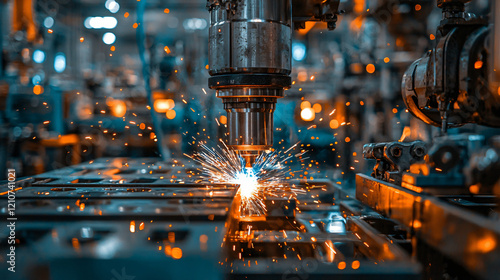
[250, 63]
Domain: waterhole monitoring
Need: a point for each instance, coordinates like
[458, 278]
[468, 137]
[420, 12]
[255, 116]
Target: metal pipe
[250, 64]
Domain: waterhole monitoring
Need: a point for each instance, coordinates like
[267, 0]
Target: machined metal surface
[147, 219]
[117, 218]
[250, 119]
[312, 242]
[254, 36]
[457, 226]
[250, 63]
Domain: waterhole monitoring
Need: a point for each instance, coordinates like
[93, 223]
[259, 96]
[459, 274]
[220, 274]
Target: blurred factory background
[85, 80]
[73, 86]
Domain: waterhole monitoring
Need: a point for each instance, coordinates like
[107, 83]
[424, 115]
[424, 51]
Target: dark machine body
[449, 86]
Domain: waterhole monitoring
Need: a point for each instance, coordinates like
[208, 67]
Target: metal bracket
[394, 158]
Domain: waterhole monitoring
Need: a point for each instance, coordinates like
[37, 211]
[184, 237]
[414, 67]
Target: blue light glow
[298, 51]
[38, 56]
[36, 80]
[48, 22]
[60, 62]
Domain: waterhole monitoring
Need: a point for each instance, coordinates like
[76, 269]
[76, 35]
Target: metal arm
[250, 63]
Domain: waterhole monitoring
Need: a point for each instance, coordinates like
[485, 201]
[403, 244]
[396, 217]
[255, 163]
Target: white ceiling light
[100, 22]
[108, 38]
[112, 6]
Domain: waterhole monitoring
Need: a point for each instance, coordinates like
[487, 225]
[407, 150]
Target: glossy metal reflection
[250, 64]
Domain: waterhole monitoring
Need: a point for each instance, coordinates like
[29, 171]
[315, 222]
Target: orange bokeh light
[317, 108]
[38, 89]
[478, 64]
[171, 114]
[334, 124]
[370, 68]
[176, 253]
[118, 108]
[355, 264]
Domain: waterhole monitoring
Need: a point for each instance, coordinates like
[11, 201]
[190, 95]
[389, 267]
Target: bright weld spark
[221, 164]
[248, 183]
